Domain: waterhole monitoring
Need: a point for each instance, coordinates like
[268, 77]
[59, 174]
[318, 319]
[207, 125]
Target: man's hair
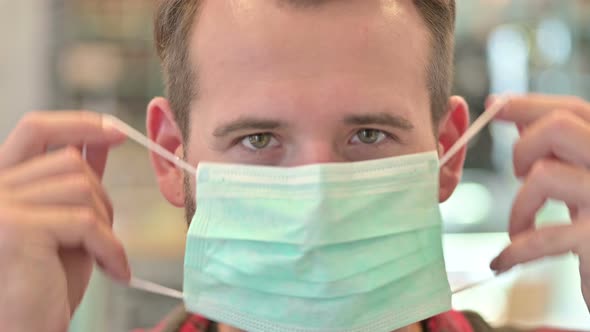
[174, 20]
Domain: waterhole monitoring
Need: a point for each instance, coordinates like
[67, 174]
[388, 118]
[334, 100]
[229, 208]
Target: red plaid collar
[452, 321]
[195, 323]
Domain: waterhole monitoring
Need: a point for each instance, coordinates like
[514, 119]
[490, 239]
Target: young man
[279, 83]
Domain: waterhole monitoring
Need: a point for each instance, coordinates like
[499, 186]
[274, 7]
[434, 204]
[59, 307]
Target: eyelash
[388, 136]
[241, 141]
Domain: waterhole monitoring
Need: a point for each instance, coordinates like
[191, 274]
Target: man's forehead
[254, 32]
[385, 15]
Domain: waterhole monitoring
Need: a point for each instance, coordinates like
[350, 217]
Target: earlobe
[451, 128]
[162, 129]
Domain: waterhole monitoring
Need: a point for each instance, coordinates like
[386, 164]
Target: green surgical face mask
[333, 247]
[336, 247]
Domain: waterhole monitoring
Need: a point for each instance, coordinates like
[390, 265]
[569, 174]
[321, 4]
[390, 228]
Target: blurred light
[497, 3]
[470, 204]
[555, 82]
[92, 66]
[554, 39]
[508, 53]
[504, 135]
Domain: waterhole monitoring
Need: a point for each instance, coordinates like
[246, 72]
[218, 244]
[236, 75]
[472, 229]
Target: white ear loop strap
[109, 120]
[472, 285]
[487, 116]
[154, 288]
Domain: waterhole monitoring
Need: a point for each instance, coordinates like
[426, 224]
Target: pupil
[369, 135]
[259, 140]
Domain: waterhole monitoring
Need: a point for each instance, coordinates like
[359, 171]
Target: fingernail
[111, 129]
[491, 100]
[127, 270]
[123, 275]
[500, 272]
[495, 264]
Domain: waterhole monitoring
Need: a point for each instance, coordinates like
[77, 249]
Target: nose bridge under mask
[315, 151]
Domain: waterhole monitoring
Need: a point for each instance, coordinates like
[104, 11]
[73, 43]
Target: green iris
[260, 141]
[369, 136]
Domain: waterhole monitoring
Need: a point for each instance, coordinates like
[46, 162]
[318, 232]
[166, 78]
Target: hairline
[434, 74]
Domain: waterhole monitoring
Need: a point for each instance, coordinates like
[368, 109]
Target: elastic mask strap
[487, 116]
[109, 120]
[154, 288]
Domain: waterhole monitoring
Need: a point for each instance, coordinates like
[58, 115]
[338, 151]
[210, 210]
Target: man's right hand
[55, 218]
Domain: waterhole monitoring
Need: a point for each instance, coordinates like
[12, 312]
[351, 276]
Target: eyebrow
[247, 123]
[381, 118]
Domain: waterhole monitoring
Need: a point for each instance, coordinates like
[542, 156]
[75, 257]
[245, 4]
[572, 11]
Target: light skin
[338, 65]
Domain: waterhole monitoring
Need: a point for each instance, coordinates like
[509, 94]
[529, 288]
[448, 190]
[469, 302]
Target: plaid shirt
[452, 321]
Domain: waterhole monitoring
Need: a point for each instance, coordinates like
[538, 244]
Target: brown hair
[174, 20]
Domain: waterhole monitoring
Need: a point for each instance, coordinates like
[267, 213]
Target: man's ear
[450, 129]
[162, 129]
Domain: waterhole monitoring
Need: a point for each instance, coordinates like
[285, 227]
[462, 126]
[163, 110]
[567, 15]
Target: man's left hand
[553, 158]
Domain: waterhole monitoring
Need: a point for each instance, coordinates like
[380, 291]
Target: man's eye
[368, 136]
[259, 141]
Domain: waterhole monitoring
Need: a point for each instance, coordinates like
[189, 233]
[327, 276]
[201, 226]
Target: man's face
[285, 86]
[288, 86]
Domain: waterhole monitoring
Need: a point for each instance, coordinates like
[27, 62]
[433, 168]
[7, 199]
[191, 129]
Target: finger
[92, 168]
[549, 179]
[55, 164]
[527, 109]
[40, 130]
[76, 228]
[544, 242]
[96, 157]
[559, 135]
[585, 271]
[78, 265]
[68, 190]
[573, 211]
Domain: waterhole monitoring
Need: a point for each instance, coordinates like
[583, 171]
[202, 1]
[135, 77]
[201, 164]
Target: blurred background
[98, 55]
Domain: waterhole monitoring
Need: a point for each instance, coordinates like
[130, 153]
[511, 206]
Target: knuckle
[518, 157]
[541, 170]
[88, 219]
[31, 121]
[576, 102]
[560, 120]
[83, 186]
[73, 155]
